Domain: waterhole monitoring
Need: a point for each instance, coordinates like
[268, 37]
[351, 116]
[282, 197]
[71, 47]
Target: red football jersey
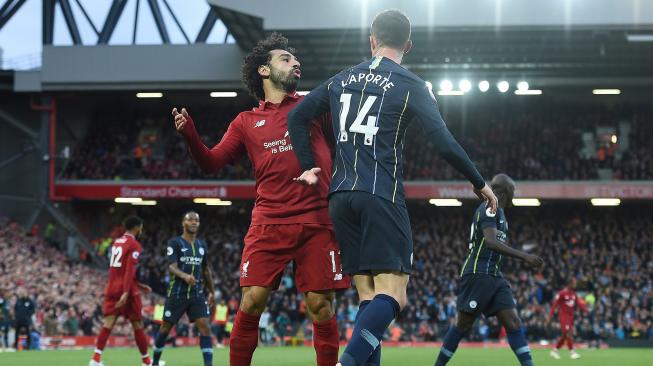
[262, 134]
[125, 252]
[566, 300]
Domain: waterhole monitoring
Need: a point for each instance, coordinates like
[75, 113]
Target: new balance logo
[259, 123]
[337, 277]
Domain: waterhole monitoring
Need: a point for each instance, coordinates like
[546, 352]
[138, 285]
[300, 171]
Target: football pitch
[304, 356]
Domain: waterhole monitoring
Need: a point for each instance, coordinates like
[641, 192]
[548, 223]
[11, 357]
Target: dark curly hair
[260, 55]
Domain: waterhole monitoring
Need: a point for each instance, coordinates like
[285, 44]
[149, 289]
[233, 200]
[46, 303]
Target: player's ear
[408, 46]
[373, 44]
[264, 70]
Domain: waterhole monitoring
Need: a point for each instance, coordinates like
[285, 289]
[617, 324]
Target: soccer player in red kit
[290, 222]
[566, 301]
[121, 296]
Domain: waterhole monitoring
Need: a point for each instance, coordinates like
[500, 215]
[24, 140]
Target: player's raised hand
[123, 300]
[485, 194]
[181, 119]
[189, 279]
[309, 177]
[534, 261]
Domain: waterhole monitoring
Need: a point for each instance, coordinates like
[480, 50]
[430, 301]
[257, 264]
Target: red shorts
[566, 325]
[311, 247]
[131, 310]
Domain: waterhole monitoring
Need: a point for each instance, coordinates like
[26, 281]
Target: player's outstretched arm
[209, 160]
[423, 105]
[315, 104]
[490, 236]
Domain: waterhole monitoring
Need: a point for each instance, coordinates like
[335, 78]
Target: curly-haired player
[290, 222]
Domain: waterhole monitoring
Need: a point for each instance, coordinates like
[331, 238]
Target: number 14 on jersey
[369, 129]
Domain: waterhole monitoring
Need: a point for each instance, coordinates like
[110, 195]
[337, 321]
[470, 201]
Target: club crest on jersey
[473, 304]
[201, 251]
[135, 255]
[169, 250]
[243, 273]
[259, 123]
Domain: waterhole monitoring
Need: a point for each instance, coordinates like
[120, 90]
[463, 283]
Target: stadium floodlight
[465, 85]
[605, 201]
[149, 95]
[145, 203]
[606, 91]
[503, 86]
[639, 37]
[531, 202]
[614, 139]
[484, 86]
[206, 200]
[522, 85]
[223, 94]
[127, 199]
[445, 202]
[528, 92]
[219, 203]
[303, 92]
[446, 85]
[450, 92]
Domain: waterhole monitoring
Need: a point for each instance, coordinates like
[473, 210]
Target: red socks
[141, 343]
[100, 343]
[325, 341]
[570, 343]
[244, 339]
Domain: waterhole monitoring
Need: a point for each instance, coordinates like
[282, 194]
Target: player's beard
[286, 81]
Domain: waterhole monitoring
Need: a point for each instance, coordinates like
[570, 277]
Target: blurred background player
[190, 277]
[374, 102]
[24, 308]
[566, 301]
[290, 223]
[482, 288]
[121, 296]
[4, 320]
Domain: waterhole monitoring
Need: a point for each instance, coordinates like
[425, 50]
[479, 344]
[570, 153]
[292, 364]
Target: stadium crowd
[542, 143]
[607, 250]
[65, 294]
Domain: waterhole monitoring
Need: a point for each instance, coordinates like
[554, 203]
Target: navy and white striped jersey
[190, 258]
[481, 259]
[371, 105]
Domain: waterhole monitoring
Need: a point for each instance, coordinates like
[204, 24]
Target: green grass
[304, 356]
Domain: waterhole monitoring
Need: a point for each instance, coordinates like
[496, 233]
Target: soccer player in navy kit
[372, 104]
[482, 288]
[191, 287]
